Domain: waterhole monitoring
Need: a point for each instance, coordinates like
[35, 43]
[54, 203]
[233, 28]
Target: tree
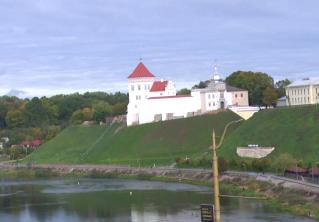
[270, 97]
[14, 118]
[261, 165]
[81, 115]
[254, 82]
[119, 109]
[35, 113]
[184, 91]
[222, 164]
[280, 87]
[3, 113]
[284, 161]
[101, 110]
[201, 85]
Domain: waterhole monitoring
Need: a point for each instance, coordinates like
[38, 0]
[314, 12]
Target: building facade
[302, 92]
[156, 100]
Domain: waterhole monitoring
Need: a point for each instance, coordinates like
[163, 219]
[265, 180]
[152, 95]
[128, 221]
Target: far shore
[278, 192]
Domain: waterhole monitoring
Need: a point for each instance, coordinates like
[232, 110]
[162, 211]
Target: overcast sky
[62, 46]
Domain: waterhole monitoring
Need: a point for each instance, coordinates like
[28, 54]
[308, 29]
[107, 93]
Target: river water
[78, 200]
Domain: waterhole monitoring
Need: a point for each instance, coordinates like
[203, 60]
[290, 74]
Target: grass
[290, 130]
[144, 145]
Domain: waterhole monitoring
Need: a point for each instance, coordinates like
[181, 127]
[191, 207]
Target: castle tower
[139, 83]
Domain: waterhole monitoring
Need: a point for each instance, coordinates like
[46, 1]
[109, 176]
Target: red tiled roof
[314, 171]
[296, 170]
[140, 71]
[169, 97]
[36, 142]
[159, 86]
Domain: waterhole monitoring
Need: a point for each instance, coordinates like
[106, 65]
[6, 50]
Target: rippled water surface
[121, 200]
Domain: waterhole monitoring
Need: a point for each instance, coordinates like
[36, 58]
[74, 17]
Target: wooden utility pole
[215, 180]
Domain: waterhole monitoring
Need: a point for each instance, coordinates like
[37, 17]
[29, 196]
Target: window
[139, 87]
[209, 104]
[241, 95]
[213, 103]
[132, 87]
[208, 96]
[145, 87]
[236, 95]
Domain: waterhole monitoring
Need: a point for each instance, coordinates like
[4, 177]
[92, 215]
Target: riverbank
[276, 195]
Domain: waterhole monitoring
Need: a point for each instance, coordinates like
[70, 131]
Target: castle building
[302, 92]
[152, 100]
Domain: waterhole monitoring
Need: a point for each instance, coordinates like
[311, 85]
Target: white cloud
[54, 46]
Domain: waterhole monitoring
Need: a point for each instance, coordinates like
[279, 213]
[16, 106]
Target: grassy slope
[146, 144]
[291, 130]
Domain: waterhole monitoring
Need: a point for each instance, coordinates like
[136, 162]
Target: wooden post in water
[215, 180]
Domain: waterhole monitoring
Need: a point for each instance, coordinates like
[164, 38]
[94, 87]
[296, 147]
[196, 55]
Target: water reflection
[110, 200]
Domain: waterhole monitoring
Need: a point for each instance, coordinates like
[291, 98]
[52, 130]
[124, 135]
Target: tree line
[23, 119]
[262, 90]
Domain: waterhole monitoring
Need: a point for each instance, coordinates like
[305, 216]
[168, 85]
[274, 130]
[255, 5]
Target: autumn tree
[254, 82]
[270, 97]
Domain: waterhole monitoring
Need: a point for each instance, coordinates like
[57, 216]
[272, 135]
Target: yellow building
[303, 92]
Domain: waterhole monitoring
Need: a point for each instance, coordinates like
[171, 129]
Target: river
[79, 200]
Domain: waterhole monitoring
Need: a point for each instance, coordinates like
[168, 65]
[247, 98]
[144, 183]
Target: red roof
[296, 169]
[36, 142]
[159, 86]
[314, 171]
[140, 71]
[169, 97]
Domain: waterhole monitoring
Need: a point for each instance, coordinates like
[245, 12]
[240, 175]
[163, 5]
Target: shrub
[222, 164]
[44, 173]
[261, 165]
[284, 161]
[144, 176]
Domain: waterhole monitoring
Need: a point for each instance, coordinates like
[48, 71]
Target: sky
[50, 47]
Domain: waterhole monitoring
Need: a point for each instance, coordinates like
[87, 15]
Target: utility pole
[215, 180]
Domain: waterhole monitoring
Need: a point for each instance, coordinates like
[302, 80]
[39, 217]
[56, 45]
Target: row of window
[139, 87]
[302, 92]
[300, 100]
[299, 91]
[211, 96]
[241, 95]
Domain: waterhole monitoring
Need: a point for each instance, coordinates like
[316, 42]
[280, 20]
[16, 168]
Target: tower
[139, 82]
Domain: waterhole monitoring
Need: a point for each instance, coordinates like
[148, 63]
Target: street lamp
[215, 180]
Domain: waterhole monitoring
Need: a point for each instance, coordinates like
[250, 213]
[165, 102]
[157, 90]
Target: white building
[303, 92]
[152, 100]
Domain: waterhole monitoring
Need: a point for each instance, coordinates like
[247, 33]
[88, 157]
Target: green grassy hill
[290, 130]
[146, 144]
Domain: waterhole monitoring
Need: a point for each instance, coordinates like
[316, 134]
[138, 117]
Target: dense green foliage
[20, 116]
[280, 87]
[254, 82]
[147, 144]
[290, 130]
